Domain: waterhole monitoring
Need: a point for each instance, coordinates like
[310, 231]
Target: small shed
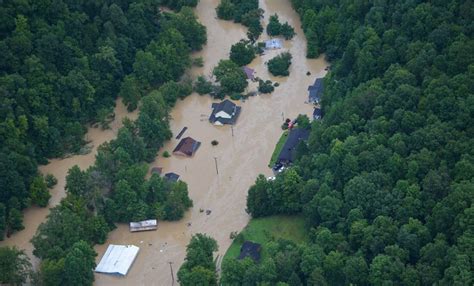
[172, 177]
[316, 91]
[250, 249]
[273, 44]
[144, 225]
[250, 73]
[187, 147]
[117, 259]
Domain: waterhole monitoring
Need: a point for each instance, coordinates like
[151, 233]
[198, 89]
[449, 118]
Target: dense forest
[385, 182]
[63, 65]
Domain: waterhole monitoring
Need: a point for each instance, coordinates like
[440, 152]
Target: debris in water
[208, 212]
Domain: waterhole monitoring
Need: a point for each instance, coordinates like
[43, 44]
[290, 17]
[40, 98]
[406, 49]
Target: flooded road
[34, 216]
[218, 177]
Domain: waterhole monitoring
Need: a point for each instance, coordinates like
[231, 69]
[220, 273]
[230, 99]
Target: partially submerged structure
[172, 177]
[250, 249]
[288, 152]
[225, 112]
[156, 170]
[273, 44]
[144, 225]
[316, 91]
[250, 73]
[117, 259]
[187, 147]
[317, 113]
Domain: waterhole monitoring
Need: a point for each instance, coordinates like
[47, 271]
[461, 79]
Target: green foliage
[385, 182]
[39, 192]
[280, 64]
[198, 267]
[78, 265]
[242, 53]
[178, 4]
[265, 86]
[275, 28]
[226, 10]
[278, 148]
[166, 154]
[231, 77]
[202, 86]
[51, 181]
[15, 266]
[245, 12]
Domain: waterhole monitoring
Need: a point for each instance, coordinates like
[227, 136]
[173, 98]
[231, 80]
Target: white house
[225, 112]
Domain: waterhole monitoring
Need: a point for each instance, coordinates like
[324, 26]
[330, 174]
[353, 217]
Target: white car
[271, 178]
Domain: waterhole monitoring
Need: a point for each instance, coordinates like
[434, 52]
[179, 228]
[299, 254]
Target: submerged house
[250, 249]
[273, 44]
[317, 113]
[187, 147]
[288, 152]
[172, 177]
[316, 91]
[250, 73]
[225, 112]
[117, 259]
[144, 225]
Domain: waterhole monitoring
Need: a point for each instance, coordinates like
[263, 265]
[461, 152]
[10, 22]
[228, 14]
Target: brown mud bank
[243, 152]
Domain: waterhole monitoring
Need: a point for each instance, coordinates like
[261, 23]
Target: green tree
[226, 10]
[274, 26]
[287, 31]
[242, 53]
[198, 267]
[279, 65]
[202, 86]
[79, 264]
[15, 266]
[231, 77]
[39, 192]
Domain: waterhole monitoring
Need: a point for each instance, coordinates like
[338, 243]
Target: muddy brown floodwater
[34, 216]
[243, 151]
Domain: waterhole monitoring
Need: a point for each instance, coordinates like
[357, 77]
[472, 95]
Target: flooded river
[218, 177]
[243, 151]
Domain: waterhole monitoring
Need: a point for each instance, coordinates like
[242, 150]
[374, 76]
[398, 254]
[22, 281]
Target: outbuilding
[117, 259]
[316, 91]
[273, 44]
[187, 147]
[144, 225]
[172, 177]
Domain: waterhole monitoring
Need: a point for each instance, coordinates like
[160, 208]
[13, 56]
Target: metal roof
[117, 259]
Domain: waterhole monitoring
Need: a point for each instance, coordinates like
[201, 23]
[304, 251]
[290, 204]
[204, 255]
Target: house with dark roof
[187, 147]
[317, 113]
[250, 249]
[250, 73]
[225, 112]
[288, 152]
[172, 177]
[316, 91]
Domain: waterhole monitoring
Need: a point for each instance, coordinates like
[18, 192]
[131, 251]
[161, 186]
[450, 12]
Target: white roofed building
[117, 259]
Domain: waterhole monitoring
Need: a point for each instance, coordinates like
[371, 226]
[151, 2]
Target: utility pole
[217, 170]
[171, 269]
[232, 128]
[283, 117]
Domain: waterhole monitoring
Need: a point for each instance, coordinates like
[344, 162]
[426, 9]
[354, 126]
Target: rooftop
[250, 249]
[187, 147]
[296, 135]
[172, 177]
[229, 108]
[316, 90]
[117, 259]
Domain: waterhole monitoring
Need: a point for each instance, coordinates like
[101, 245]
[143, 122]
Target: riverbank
[243, 151]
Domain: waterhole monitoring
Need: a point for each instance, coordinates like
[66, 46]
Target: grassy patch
[278, 148]
[265, 230]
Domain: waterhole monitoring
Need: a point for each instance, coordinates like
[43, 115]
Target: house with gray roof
[225, 112]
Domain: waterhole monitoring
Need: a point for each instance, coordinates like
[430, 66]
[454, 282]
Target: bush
[236, 96]
[214, 142]
[287, 31]
[166, 154]
[280, 64]
[242, 53]
[202, 86]
[225, 10]
[199, 62]
[274, 26]
[51, 181]
[265, 86]
[231, 77]
[39, 192]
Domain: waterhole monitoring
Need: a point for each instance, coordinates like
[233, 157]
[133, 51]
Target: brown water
[34, 216]
[243, 151]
